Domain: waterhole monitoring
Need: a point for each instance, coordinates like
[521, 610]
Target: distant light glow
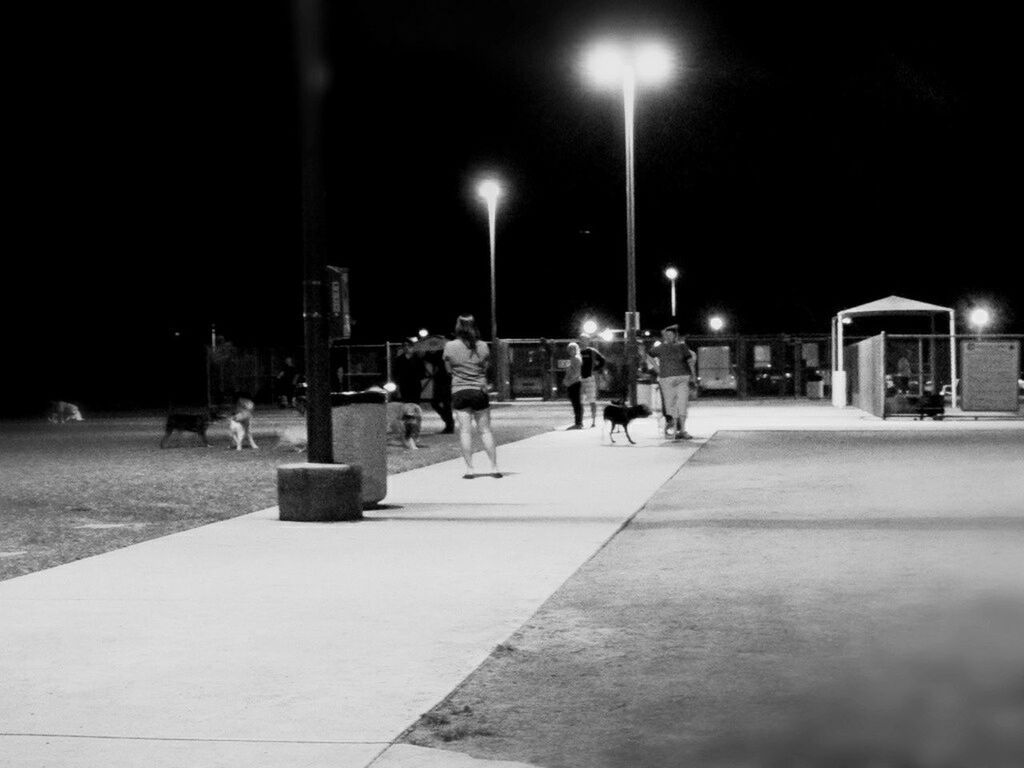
[390, 387]
[590, 327]
[671, 273]
[847, 320]
[607, 334]
[423, 333]
[980, 317]
[657, 343]
[489, 190]
[716, 323]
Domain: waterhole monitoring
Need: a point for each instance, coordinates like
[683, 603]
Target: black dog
[620, 416]
[189, 422]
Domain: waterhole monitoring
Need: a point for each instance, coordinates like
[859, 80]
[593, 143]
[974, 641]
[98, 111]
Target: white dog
[405, 420]
[240, 423]
[61, 412]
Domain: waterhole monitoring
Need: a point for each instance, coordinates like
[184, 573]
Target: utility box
[359, 429]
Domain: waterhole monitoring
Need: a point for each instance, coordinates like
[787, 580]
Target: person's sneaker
[575, 426]
[684, 435]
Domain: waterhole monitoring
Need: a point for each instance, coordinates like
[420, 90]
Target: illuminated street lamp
[979, 318]
[423, 333]
[672, 274]
[490, 191]
[590, 327]
[716, 323]
[611, 65]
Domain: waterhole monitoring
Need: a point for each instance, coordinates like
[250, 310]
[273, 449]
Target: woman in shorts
[466, 358]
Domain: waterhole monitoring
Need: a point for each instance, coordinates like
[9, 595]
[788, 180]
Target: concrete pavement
[264, 643]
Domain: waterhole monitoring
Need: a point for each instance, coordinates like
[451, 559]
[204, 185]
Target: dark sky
[807, 157]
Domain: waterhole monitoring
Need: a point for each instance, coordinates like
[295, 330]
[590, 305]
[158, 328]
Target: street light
[610, 64]
[590, 327]
[716, 323]
[490, 191]
[979, 318]
[672, 274]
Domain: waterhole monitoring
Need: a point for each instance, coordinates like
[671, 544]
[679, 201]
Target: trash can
[359, 430]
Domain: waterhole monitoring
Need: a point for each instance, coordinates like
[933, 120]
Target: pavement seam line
[183, 738]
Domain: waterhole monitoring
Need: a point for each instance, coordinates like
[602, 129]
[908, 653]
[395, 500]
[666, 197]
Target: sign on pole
[338, 312]
[990, 371]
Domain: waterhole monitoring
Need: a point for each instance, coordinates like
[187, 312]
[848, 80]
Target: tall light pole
[672, 274]
[489, 190]
[626, 66]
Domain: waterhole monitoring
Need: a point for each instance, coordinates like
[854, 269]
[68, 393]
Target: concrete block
[319, 492]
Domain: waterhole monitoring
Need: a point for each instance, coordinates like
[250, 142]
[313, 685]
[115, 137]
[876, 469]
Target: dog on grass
[61, 412]
[405, 420]
[620, 415]
[240, 423]
[196, 423]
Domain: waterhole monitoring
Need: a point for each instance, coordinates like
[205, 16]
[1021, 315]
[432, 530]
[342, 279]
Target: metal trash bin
[359, 431]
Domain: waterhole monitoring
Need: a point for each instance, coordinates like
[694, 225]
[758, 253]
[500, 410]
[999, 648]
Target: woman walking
[466, 358]
[573, 384]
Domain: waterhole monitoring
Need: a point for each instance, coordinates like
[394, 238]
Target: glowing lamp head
[847, 320]
[423, 333]
[671, 273]
[607, 64]
[653, 63]
[606, 334]
[716, 323]
[980, 317]
[590, 327]
[489, 190]
[390, 387]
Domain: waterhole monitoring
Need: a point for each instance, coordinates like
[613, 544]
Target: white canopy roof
[894, 305]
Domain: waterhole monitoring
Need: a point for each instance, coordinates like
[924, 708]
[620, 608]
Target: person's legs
[588, 391]
[442, 407]
[483, 423]
[670, 394]
[573, 391]
[682, 404]
[465, 422]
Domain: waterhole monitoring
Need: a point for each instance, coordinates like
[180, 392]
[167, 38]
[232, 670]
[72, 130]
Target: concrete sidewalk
[261, 643]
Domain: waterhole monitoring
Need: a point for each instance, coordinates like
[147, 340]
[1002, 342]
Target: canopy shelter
[890, 305]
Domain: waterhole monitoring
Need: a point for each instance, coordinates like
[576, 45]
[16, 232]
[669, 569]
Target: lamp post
[716, 323]
[672, 274]
[489, 190]
[625, 67]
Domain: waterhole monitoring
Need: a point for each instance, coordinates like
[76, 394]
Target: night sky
[807, 157]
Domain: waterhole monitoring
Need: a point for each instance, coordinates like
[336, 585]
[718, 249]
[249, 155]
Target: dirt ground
[69, 491]
[787, 599]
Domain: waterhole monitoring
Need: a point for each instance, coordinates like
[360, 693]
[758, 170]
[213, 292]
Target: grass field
[73, 490]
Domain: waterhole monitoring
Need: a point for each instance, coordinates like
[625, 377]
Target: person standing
[409, 371]
[441, 392]
[466, 358]
[674, 362]
[593, 363]
[287, 378]
[573, 384]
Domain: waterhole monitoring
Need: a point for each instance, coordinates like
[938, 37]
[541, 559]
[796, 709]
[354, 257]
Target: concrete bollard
[319, 492]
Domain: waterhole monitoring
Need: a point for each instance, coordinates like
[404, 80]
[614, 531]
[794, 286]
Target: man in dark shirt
[409, 372]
